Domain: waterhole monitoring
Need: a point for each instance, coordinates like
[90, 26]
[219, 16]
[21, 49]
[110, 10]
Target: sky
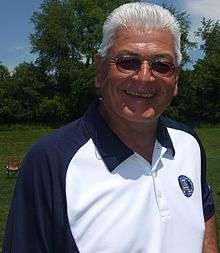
[16, 26]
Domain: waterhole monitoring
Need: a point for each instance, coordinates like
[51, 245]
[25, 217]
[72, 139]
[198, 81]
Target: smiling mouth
[143, 95]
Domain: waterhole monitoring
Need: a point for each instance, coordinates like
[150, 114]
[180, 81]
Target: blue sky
[16, 26]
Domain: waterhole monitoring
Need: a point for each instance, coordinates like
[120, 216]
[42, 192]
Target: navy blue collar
[112, 150]
[163, 136]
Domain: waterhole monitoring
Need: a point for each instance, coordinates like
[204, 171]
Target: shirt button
[159, 194]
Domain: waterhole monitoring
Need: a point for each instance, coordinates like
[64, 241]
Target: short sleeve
[207, 198]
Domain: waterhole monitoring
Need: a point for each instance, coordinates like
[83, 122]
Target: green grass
[211, 141]
[16, 140]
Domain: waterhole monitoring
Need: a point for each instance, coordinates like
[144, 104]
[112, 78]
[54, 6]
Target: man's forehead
[143, 41]
[140, 34]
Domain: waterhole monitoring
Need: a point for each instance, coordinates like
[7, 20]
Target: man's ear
[175, 92]
[98, 64]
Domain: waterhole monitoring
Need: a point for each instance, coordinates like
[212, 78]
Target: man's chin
[141, 117]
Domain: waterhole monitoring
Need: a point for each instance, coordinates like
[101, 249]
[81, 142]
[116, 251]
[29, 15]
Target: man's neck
[139, 137]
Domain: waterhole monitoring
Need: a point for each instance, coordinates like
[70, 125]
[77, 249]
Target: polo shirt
[81, 189]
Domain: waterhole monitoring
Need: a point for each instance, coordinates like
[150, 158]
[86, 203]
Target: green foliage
[186, 44]
[4, 82]
[206, 74]
[210, 35]
[51, 110]
[199, 96]
[60, 84]
[4, 73]
[69, 31]
[67, 35]
[20, 96]
[185, 105]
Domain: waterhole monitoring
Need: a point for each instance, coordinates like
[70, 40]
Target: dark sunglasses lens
[162, 68]
[129, 63]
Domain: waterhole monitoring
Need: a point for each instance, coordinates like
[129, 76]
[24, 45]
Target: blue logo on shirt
[186, 185]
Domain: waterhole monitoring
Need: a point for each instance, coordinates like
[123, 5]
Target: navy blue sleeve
[207, 198]
[29, 227]
[37, 221]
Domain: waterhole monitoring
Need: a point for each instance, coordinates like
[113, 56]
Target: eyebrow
[128, 52]
[165, 56]
[155, 56]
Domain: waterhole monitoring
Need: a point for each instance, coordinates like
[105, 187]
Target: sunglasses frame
[173, 67]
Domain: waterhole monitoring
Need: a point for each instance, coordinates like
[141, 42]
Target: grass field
[16, 140]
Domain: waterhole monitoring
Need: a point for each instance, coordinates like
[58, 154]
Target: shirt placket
[161, 200]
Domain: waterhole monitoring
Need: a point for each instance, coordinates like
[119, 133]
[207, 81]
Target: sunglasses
[158, 67]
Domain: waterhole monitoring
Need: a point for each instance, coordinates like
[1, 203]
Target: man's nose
[145, 73]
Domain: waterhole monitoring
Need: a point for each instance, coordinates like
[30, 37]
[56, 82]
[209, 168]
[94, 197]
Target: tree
[206, 74]
[67, 35]
[210, 35]
[69, 30]
[21, 95]
[4, 82]
[4, 73]
[185, 106]
[184, 21]
[181, 107]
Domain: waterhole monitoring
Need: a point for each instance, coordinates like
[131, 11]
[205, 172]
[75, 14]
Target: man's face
[141, 96]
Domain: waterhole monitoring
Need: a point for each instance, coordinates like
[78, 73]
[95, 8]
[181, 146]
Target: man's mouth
[143, 95]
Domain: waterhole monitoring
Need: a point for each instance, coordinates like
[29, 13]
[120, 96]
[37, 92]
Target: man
[122, 178]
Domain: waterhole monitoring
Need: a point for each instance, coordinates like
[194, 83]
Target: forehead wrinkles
[135, 33]
[143, 41]
[139, 39]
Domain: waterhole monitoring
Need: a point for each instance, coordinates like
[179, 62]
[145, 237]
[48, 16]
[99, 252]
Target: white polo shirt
[92, 194]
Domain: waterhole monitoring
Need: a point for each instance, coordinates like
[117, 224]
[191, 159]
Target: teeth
[144, 95]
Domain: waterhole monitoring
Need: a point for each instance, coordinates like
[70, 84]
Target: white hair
[140, 15]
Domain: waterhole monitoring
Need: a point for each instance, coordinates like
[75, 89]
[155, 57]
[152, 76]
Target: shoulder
[173, 124]
[184, 138]
[54, 151]
[70, 136]
[180, 129]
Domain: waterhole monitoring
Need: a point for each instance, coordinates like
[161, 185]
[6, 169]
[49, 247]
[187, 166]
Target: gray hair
[140, 15]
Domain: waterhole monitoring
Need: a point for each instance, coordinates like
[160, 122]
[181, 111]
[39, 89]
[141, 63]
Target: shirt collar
[163, 136]
[112, 150]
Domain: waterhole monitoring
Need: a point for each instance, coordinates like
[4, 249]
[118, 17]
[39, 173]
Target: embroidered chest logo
[186, 185]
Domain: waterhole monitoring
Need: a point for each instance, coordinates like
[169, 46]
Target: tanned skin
[210, 241]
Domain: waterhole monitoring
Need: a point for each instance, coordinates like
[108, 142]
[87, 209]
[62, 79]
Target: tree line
[58, 86]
